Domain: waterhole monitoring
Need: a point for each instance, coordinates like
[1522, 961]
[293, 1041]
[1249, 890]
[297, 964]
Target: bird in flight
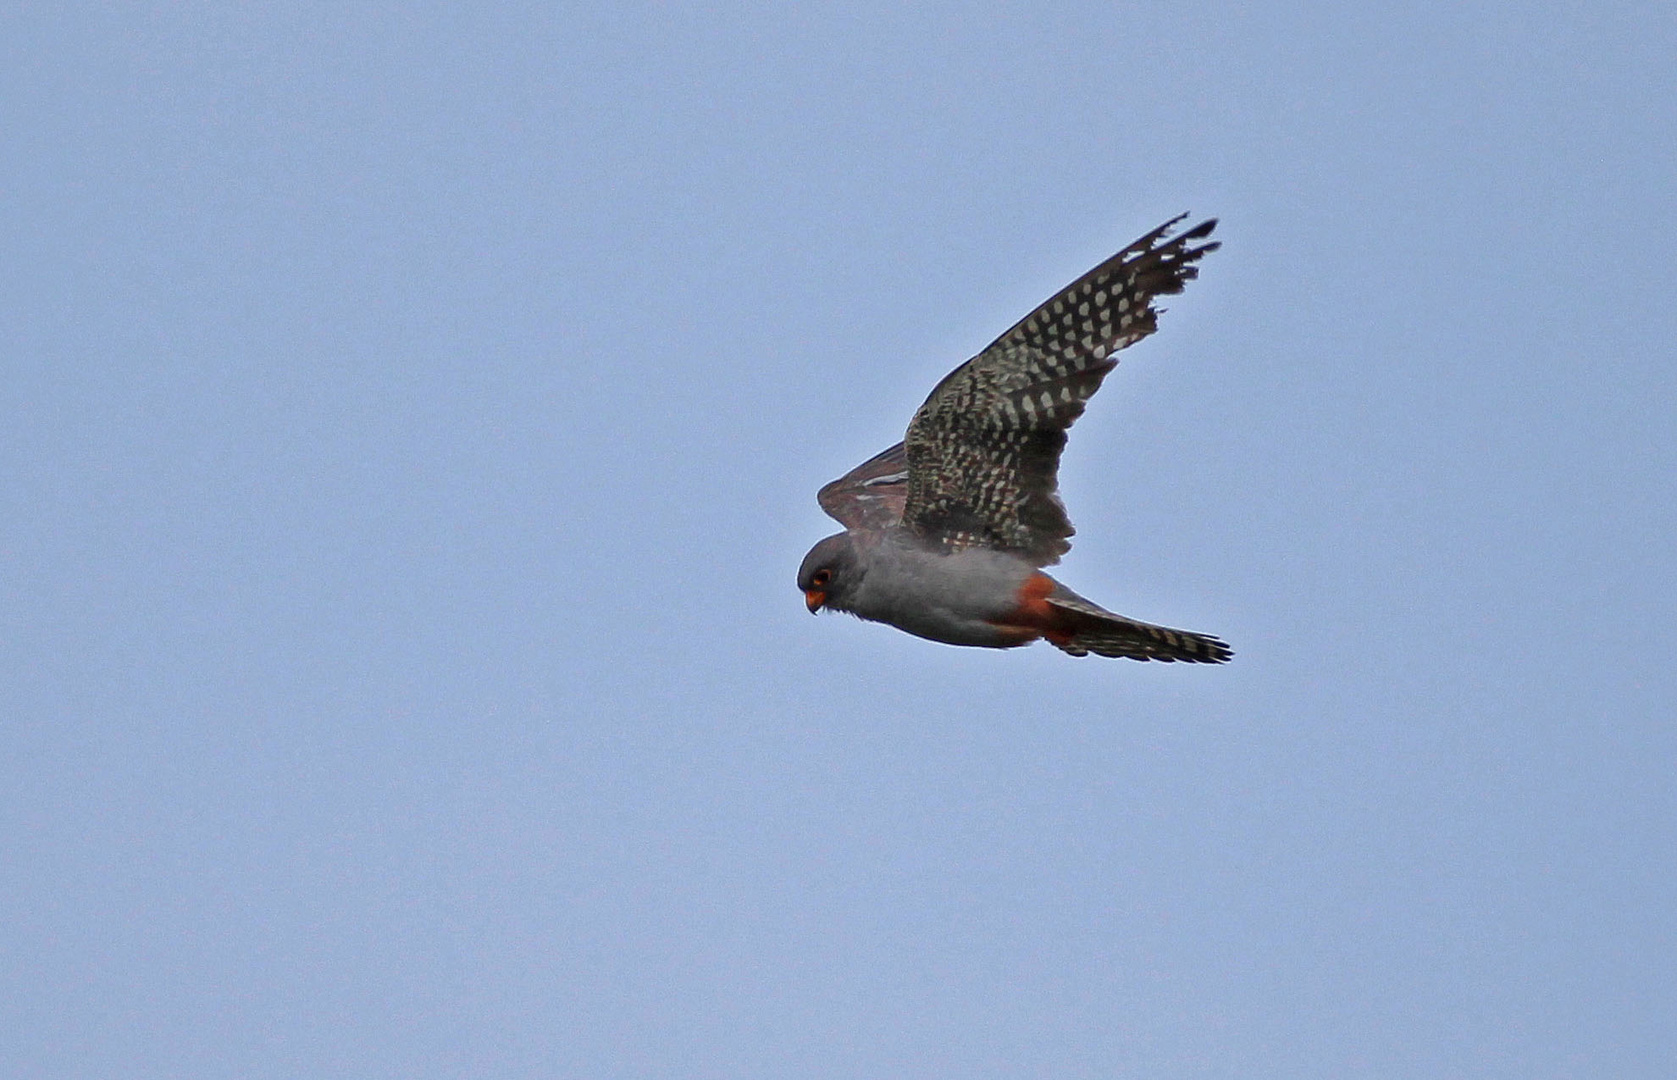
[945, 534]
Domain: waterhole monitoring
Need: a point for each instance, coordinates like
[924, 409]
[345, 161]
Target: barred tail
[1085, 627]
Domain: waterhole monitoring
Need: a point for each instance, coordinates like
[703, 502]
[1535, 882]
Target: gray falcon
[946, 532]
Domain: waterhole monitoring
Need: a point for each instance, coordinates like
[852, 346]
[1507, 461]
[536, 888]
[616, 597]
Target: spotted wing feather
[983, 452]
[870, 496]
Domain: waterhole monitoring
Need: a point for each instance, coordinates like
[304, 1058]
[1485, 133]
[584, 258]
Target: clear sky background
[411, 417]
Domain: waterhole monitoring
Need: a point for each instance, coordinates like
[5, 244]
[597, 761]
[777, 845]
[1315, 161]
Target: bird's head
[830, 574]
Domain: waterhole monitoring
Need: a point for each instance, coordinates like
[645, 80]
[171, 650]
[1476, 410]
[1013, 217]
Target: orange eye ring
[821, 578]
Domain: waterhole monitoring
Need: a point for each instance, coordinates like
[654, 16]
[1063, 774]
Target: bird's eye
[821, 578]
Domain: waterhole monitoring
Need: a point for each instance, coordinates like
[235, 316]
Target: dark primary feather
[983, 452]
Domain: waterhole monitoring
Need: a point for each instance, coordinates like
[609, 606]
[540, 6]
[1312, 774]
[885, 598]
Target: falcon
[946, 533]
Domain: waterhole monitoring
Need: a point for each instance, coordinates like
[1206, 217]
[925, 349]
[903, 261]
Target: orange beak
[813, 599]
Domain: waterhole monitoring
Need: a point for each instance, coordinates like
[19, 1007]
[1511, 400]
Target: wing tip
[1198, 232]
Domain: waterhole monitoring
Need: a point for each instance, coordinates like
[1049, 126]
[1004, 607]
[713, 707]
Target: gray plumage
[945, 531]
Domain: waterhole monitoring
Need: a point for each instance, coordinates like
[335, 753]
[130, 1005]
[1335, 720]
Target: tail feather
[1087, 628]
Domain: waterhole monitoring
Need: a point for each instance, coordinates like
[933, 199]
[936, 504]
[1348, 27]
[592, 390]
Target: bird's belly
[953, 628]
[953, 599]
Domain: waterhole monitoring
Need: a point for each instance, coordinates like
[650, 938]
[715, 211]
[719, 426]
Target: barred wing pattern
[983, 452]
[870, 496]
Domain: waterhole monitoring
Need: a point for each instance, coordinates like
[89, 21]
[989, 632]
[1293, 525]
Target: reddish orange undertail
[1035, 617]
[1080, 627]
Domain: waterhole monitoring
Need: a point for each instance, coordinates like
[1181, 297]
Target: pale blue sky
[411, 420]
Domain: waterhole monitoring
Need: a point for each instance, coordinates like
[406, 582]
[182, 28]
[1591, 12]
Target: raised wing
[983, 452]
[871, 495]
